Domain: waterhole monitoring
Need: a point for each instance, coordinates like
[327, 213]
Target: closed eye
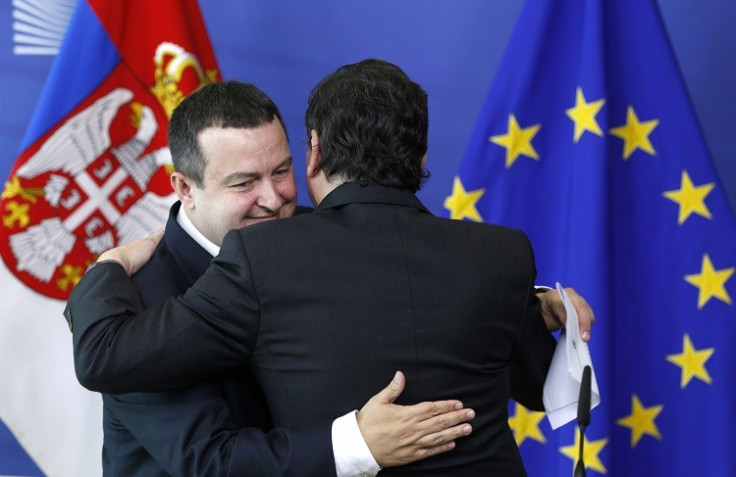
[282, 173]
[244, 185]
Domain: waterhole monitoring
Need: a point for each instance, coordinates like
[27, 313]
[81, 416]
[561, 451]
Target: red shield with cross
[98, 179]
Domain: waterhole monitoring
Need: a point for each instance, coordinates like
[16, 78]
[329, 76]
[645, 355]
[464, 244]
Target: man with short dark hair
[325, 305]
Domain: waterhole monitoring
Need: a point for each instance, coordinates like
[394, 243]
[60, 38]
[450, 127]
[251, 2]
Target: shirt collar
[183, 219]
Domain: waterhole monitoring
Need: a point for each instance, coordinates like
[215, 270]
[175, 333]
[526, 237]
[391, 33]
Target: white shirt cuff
[352, 456]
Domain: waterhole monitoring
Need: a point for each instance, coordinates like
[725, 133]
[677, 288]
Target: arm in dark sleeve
[284, 452]
[120, 348]
[533, 352]
[192, 432]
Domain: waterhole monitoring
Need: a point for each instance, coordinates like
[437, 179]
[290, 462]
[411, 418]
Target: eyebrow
[241, 175]
[285, 162]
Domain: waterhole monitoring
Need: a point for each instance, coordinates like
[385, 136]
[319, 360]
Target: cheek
[287, 190]
[239, 205]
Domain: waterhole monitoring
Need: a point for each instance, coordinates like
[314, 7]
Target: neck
[186, 223]
[321, 186]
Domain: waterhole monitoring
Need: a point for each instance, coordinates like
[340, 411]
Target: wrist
[352, 455]
[101, 260]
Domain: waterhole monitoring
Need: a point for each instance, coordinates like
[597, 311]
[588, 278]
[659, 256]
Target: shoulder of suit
[490, 227]
[301, 209]
[160, 260]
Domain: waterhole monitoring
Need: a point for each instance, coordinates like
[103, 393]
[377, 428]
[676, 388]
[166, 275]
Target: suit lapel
[188, 254]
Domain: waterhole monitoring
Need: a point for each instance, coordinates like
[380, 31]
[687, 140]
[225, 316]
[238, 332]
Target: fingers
[156, 238]
[427, 410]
[398, 435]
[553, 310]
[444, 436]
[586, 317]
[439, 429]
[424, 452]
[429, 418]
[438, 437]
[132, 256]
[447, 420]
[390, 393]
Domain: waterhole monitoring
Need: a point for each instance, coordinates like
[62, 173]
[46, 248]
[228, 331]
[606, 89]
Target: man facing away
[233, 169]
[324, 306]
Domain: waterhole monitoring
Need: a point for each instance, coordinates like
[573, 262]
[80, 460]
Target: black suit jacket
[198, 430]
[327, 306]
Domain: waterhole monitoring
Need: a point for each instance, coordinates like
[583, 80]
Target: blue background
[451, 48]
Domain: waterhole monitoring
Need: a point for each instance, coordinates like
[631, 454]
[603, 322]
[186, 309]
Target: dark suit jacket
[197, 430]
[327, 306]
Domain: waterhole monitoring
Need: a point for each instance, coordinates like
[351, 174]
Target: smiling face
[248, 179]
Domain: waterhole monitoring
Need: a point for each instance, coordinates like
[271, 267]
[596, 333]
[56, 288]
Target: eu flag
[589, 143]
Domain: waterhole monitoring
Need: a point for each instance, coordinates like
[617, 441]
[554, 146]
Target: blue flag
[589, 143]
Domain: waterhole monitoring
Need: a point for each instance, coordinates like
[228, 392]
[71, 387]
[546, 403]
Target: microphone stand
[583, 418]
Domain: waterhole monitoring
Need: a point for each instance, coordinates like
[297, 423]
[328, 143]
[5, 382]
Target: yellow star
[517, 141]
[461, 203]
[710, 282]
[641, 420]
[583, 115]
[635, 134]
[690, 198]
[692, 362]
[591, 449]
[525, 424]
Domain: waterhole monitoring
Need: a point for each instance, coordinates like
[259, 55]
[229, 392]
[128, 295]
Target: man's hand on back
[134, 255]
[398, 435]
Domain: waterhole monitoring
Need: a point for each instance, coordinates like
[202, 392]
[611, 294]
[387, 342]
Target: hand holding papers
[562, 387]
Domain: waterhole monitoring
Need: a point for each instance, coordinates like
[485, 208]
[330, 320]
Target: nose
[269, 197]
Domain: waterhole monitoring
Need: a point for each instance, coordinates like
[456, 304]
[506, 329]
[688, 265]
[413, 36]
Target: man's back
[380, 284]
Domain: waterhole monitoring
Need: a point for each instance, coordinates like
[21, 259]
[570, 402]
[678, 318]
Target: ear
[423, 160]
[314, 155]
[182, 186]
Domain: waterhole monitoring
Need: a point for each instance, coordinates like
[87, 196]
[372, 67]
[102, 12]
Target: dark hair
[372, 122]
[231, 104]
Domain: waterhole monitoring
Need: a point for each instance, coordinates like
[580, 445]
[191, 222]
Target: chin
[287, 211]
[252, 221]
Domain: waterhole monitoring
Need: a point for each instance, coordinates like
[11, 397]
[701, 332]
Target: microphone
[583, 418]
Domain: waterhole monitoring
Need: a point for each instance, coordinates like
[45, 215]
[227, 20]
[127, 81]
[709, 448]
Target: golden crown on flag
[172, 61]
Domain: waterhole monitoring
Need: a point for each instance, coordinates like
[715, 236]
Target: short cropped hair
[230, 104]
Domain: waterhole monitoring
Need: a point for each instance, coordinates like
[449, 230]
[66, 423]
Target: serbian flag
[93, 173]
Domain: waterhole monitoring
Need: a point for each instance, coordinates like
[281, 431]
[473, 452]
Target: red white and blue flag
[93, 174]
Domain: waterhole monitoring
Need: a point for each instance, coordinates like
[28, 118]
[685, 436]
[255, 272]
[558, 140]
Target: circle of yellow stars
[635, 133]
[517, 140]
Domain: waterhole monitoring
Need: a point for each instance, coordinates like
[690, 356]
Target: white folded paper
[562, 386]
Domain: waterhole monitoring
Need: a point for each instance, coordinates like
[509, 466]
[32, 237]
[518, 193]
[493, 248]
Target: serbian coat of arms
[97, 179]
